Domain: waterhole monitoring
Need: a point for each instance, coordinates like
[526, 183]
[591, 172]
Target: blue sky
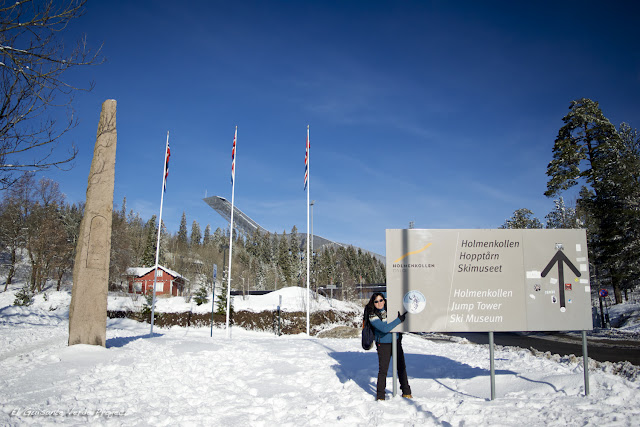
[439, 112]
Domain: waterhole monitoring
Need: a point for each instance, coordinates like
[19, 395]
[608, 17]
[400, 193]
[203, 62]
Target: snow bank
[293, 299]
[625, 317]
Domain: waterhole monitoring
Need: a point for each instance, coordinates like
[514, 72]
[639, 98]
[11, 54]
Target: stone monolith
[88, 309]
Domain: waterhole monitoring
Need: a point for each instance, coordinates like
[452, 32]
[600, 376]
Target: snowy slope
[182, 376]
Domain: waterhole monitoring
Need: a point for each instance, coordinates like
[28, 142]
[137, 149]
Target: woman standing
[377, 311]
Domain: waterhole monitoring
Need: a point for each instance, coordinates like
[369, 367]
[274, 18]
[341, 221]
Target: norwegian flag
[233, 157]
[166, 165]
[306, 162]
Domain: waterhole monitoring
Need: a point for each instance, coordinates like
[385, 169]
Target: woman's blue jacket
[381, 328]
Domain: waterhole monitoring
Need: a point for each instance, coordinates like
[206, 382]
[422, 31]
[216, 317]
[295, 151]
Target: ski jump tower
[247, 226]
[242, 222]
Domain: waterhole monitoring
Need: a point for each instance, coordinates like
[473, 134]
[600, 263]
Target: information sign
[488, 280]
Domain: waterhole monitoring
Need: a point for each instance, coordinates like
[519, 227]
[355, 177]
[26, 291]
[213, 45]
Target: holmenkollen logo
[402, 264]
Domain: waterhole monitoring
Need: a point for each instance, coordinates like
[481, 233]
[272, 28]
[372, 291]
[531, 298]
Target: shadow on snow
[122, 341]
[362, 368]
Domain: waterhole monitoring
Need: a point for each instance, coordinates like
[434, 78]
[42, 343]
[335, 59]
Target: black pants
[384, 356]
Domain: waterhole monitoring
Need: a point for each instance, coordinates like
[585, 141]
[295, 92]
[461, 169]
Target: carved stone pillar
[88, 309]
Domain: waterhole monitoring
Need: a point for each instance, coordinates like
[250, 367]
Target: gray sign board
[488, 280]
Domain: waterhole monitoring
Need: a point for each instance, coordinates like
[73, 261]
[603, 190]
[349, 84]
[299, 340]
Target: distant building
[168, 282]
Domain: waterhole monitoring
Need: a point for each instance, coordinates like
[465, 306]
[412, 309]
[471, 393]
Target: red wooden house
[168, 282]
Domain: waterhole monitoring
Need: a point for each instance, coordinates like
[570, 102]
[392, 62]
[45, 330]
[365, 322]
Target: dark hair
[370, 307]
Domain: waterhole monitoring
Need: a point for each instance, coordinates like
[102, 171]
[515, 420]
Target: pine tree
[123, 209]
[219, 238]
[522, 218]
[261, 277]
[266, 248]
[164, 244]
[615, 203]
[589, 148]
[138, 238]
[24, 297]
[253, 243]
[149, 255]
[201, 295]
[284, 258]
[207, 238]
[579, 147]
[182, 233]
[222, 297]
[121, 247]
[327, 266]
[297, 257]
[562, 216]
[196, 235]
[630, 194]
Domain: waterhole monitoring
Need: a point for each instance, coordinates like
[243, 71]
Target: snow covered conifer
[207, 238]
[182, 232]
[196, 234]
[24, 297]
[201, 295]
[580, 146]
[149, 255]
[562, 216]
[590, 149]
[222, 297]
[522, 218]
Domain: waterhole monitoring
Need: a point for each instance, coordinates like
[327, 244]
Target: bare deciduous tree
[16, 208]
[33, 65]
[46, 237]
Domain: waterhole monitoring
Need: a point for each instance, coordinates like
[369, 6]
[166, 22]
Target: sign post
[601, 296]
[332, 287]
[279, 315]
[213, 294]
[492, 367]
[585, 363]
[394, 361]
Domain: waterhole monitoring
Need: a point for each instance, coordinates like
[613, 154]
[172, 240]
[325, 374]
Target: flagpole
[155, 271]
[308, 253]
[233, 186]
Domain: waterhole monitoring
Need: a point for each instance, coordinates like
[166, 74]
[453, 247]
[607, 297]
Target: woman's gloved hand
[402, 316]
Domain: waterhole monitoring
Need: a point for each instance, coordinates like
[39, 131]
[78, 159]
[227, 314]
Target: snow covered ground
[182, 376]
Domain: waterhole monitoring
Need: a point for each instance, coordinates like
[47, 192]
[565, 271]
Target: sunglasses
[379, 300]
